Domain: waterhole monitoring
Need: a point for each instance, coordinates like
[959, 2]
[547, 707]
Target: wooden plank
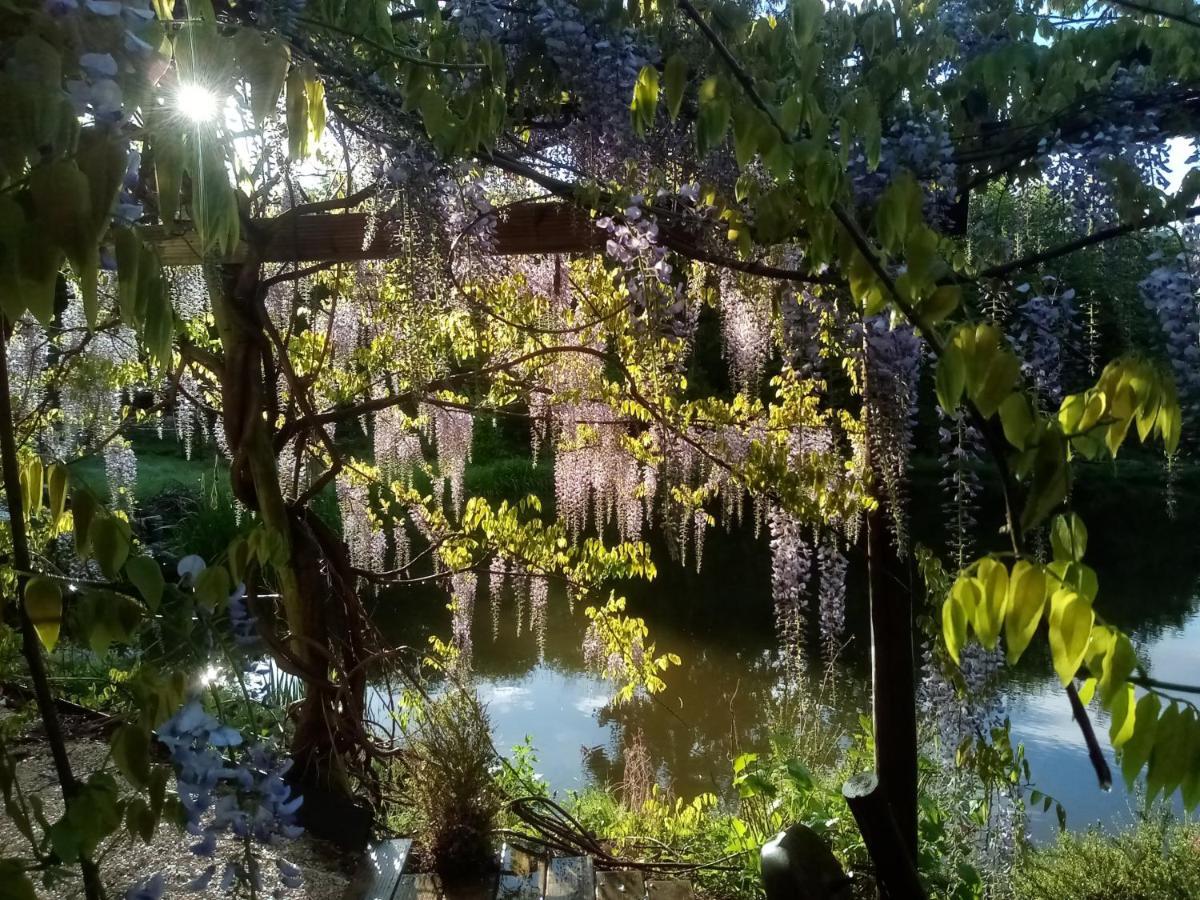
[523, 228]
[570, 878]
[379, 871]
[418, 887]
[528, 228]
[668, 889]
[625, 884]
[520, 875]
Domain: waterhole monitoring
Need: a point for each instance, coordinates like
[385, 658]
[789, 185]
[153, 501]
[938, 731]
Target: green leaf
[265, 67]
[951, 379]
[33, 478]
[674, 83]
[145, 575]
[168, 153]
[1118, 664]
[44, 607]
[297, 114]
[58, 494]
[213, 587]
[1016, 419]
[992, 579]
[1051, 479]
[645, 99]
[108, 538]
[83, 510]
[1123, 712]
[1169, 759]
[806, 19]
[140, 822]
[131, 752]
[1136, 750]
[957, 612]
[745, 134]
[129, 253]
[1026, 602]
[743, 761]
[940, 304]
[1068, 537]
[998, 382]
[1071, 619]
[713, 117]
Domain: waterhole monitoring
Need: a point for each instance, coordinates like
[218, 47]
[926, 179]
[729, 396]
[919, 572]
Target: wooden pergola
[523, 229]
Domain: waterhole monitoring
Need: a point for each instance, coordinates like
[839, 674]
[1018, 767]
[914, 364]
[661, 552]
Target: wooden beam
[522, 229]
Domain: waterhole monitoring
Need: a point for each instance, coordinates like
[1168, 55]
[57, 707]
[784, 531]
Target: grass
[1157, 859]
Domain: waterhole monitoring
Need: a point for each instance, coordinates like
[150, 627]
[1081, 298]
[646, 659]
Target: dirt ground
[125, 861]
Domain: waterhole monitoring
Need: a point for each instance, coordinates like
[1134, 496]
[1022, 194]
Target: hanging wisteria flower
[226, 786]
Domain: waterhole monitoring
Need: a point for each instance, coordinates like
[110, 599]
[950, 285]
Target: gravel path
[126, 861]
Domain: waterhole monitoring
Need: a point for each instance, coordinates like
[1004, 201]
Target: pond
[720, 622]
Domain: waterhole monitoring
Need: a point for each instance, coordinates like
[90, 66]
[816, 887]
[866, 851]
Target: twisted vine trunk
[319, 607]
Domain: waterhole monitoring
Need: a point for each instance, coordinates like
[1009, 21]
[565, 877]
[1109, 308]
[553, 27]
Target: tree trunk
[311, 574]
[31, 646]
[893, 678]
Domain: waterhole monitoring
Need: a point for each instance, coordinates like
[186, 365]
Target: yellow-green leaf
[34, 475]
[674, 82]
[954, 626]
[1016, 419]
[1068, 537]
[992, 579]
[1026, 602]
[1136, 750]
[951, 379]
[44, 606]
[1123, 711]
[1071, 618]
[58, 494]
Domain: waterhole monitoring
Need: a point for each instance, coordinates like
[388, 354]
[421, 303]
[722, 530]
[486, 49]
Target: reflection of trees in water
[720, 623]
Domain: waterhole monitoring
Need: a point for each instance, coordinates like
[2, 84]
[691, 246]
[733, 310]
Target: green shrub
[1157, 859]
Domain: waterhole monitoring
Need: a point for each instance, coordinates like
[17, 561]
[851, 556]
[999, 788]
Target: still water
[720, 622]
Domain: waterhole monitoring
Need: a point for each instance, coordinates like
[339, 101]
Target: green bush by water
[1157, 859]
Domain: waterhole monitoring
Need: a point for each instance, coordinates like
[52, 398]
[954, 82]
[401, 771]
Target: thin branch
[1096, 237]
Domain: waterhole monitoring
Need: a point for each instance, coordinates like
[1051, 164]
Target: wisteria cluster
[831, 590]
[594, 474]
[921, 146]
[365, 540]
[596, 64]
[97, 93]
[397, 447]
[960, 449]
[791, 568]
[893, 365]
[226, 786]
[27, 357]
[120, 471]
[1078, 167]
[646, 269]
[1044, 322]
[747, 328]
[1172, 292]
[463, 588]
[450, 430]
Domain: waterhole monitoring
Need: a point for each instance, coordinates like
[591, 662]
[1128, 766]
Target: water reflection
[720, 623]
